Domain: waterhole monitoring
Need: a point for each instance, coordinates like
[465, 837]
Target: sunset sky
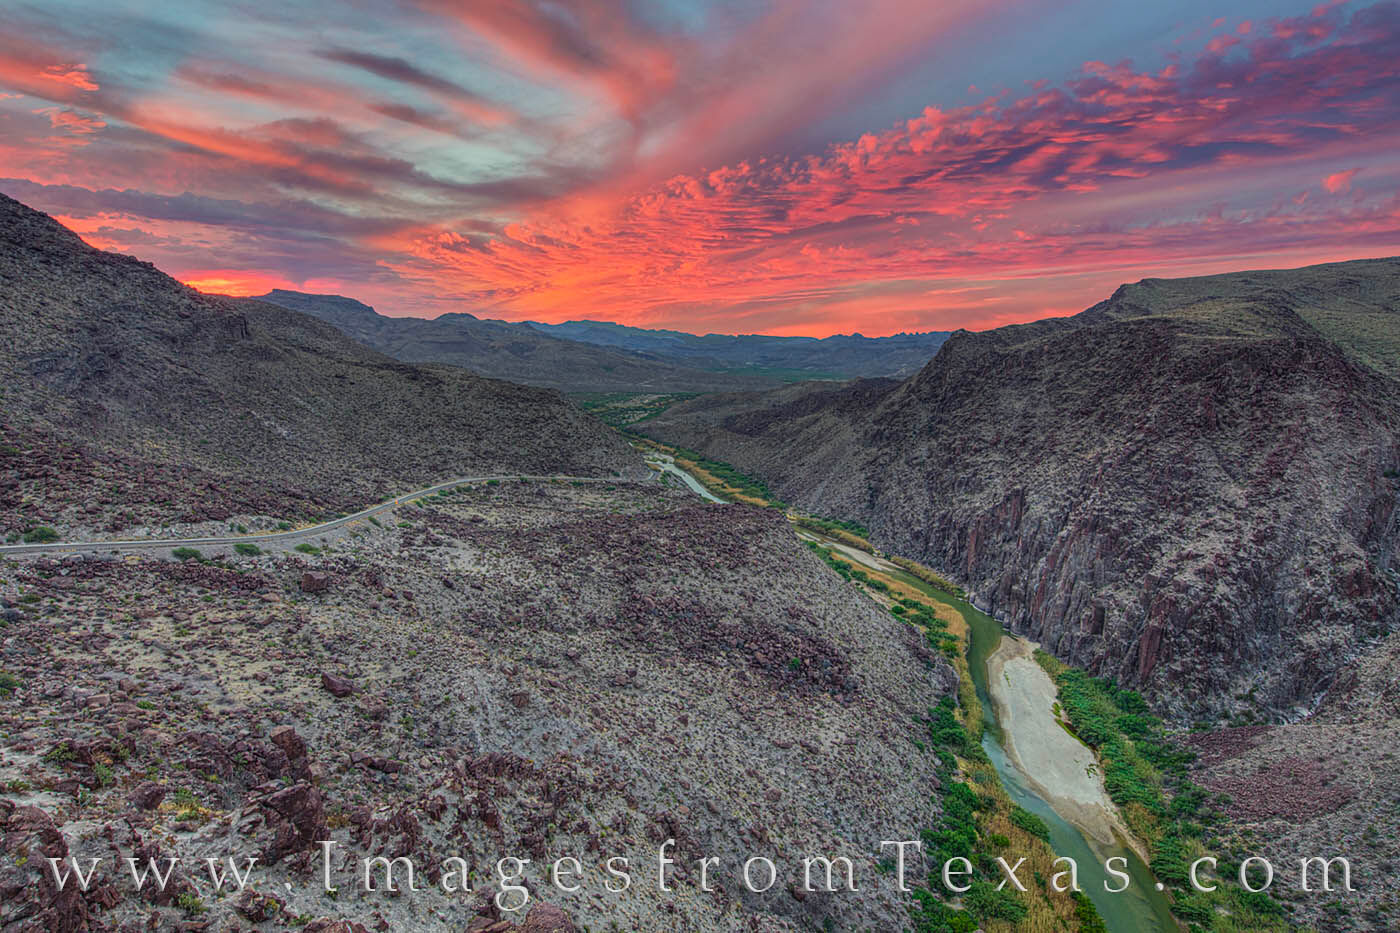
[785, 167]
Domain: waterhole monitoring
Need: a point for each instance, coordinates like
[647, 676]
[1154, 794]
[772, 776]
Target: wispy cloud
[532, 159]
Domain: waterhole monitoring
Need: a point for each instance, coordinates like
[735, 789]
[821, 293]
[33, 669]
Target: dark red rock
[286, 738]
[257, 907]
[546, 918]
[297, 817]
[148, 795]
[313, 581]
[336, 686]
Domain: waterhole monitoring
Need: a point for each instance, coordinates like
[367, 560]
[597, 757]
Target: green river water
[1139, 909]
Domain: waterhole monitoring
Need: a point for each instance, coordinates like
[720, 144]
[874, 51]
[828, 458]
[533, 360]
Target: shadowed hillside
[1190, 486]
[212, 407]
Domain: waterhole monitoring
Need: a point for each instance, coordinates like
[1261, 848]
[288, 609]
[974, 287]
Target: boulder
[337, 686]
[546, 918]
[147, 795]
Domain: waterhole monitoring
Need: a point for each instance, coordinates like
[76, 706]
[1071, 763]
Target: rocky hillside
[523, 669]
[131, 399]
[1190, 486]
[517, 352]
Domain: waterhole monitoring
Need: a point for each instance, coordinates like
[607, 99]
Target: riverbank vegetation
[979, 820]
[725, 481]
[622, 410]
[929, 576]
[852, 533]
[1145, 773]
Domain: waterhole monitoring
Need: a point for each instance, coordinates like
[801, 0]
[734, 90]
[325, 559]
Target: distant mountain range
[843, 356]
[592, 356]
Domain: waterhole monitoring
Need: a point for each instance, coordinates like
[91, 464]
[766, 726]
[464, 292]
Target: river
[667, 464]
[1140, 908]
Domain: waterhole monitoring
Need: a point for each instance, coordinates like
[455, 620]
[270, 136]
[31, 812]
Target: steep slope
[848, 355]
[509, 351]
[1190, 486]
[532, 670]
[120, 381]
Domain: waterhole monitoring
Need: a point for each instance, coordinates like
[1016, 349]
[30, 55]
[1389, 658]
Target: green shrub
[306, 547]
[1194, 909]
[60, 753]
[985, 902]
[832, 527]
[1135, 725]
[43, 534]
[9, 683]
[186, 553]
[1025, 820]
[1169, 860]
[247, 549]
[1087, 914]
[930, 915]
[944, 728]
[190, 903]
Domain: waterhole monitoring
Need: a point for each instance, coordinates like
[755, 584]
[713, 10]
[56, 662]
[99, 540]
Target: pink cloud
[72, 121]
[980, 180]
[1339, 182]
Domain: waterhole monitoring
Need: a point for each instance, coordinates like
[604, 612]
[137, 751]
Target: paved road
[276, 537]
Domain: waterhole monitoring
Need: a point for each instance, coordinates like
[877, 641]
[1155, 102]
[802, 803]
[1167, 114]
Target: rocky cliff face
[117, 374]
[1190, 486]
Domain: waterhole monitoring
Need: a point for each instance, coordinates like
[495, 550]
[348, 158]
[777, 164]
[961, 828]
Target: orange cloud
[238, 282]
[74, 75]
[33, 68]
[1007, 186]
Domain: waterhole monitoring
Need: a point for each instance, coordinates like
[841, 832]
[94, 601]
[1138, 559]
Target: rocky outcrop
[29, 898]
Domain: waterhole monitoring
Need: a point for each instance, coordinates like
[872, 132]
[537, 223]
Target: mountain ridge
[221, 405]
[1189, 486]
[601, 356]
[499, 349]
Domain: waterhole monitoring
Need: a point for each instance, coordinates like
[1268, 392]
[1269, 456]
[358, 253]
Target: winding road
[276, 537]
